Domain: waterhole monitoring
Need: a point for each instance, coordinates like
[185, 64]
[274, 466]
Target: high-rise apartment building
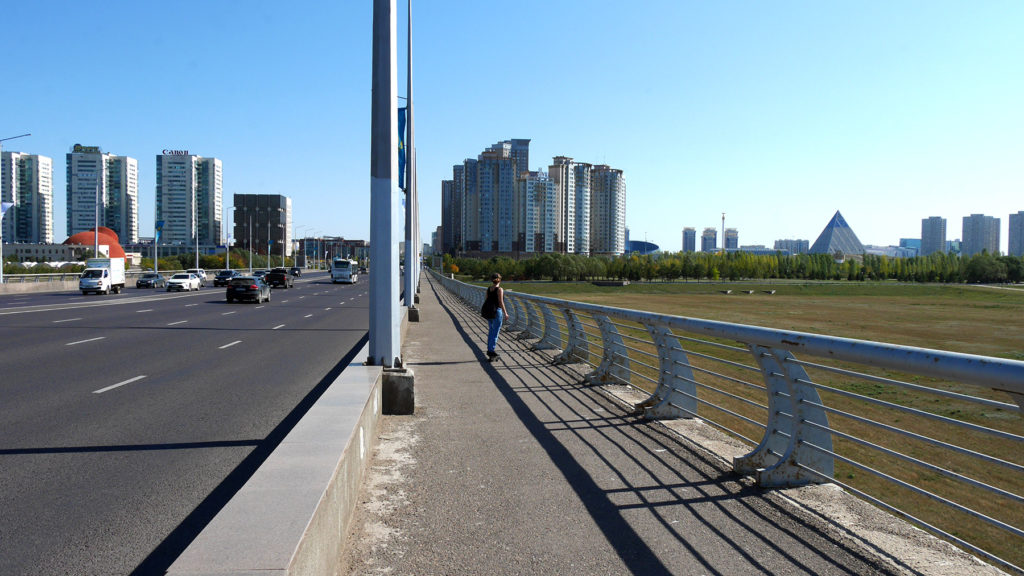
[794, 246]
[732, 239]
[26, 181]
[607, 211]
[1016, 234]
[495, 204]
[572, 180]
[541, 219]
[189, 190]
[709, 240]
[487, 188]
[980, 233]
[933, 235]
[105, 188]
[689, 239]
[263, 223]
[449, 217]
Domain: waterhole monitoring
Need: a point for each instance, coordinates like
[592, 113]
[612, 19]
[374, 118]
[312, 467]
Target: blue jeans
[495, 327]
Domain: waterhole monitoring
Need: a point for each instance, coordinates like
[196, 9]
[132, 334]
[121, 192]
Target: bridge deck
[518, 468]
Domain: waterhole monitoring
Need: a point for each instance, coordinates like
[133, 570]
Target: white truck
[102, 276]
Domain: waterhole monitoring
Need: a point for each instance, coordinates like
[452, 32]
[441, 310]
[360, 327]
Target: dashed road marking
[118, 385]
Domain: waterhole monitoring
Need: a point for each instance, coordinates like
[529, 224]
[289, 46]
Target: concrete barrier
[292, 516]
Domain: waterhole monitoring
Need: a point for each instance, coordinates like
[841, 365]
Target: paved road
[128, 420]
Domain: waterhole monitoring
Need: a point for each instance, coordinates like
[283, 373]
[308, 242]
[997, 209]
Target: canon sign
[175, 152]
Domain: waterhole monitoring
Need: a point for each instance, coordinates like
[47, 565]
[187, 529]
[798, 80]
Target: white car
[183, 281]
[200, 273]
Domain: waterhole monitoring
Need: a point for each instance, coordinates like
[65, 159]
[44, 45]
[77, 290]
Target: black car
[151, 280]
[223, 278]
[243, 288]
[295, 271]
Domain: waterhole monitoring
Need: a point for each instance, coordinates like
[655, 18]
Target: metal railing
[936, 437]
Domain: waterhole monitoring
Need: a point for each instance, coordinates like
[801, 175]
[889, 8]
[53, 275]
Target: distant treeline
[949, 268]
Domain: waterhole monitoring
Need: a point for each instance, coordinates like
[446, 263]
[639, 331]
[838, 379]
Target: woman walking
[496, 301]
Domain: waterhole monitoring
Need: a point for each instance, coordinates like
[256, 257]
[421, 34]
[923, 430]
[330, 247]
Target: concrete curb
[292, 516]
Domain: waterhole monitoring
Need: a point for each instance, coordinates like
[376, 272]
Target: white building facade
[189, 198]
[607, 211]
[26, 181]
[102, 189]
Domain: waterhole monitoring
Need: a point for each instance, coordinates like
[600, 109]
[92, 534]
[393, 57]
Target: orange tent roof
[106, 236]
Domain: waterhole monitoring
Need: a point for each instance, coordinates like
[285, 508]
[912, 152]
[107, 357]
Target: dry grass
[972, 320]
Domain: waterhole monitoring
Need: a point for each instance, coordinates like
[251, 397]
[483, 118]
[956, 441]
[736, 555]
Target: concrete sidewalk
[519, 468]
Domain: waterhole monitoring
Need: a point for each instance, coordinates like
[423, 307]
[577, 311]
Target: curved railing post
[676, 393]
[533, 326]
[577, 349]
[614, 365]
[552, 338]
[777, 459]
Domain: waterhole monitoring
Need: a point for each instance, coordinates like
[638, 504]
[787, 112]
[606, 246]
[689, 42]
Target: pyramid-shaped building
[837, 237]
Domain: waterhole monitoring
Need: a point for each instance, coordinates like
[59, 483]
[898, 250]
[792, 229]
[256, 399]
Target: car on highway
[223, 278]
[362, 270]
[260, 273]
[200, 273]
[279, 277]
[295, 271]
[183, 281]
[151, 280]
[248, 288]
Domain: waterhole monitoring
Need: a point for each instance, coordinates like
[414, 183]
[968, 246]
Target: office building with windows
[105, 188]
[732, 239]
[26, 181]
[709, 240]
[1016, 234]
[980, 234]
[793, 246]
[263, 223]
[189, 190]
[933, 235]
[689, 239]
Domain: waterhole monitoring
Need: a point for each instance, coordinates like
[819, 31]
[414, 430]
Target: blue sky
[776, 113]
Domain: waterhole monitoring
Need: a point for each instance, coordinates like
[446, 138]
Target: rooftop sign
[79, 149]
[175, 152]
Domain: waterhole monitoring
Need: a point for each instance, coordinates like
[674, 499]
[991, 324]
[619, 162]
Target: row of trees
[949, 268]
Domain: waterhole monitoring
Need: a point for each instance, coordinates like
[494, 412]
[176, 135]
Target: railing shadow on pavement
[629, 447]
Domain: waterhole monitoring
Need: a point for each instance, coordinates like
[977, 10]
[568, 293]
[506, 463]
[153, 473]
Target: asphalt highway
[127, 421]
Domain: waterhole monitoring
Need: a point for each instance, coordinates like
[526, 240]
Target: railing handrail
[796, 446]
[990, 372]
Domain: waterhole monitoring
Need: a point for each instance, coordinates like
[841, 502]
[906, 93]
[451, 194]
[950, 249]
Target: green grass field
[969, 319]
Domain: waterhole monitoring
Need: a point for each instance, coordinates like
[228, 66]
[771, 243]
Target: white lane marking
[146, 310]
[66, 320]
[278, 326]
[190, 305]
[284, 301]
[178, 322]
[308, 316]
[226, 313]
[258, 307]
[84, 341]
[230, 344]
[118, 385]
[325, 309]
[301, 297]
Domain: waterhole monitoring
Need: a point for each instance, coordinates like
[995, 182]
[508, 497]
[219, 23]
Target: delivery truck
[102, 276]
